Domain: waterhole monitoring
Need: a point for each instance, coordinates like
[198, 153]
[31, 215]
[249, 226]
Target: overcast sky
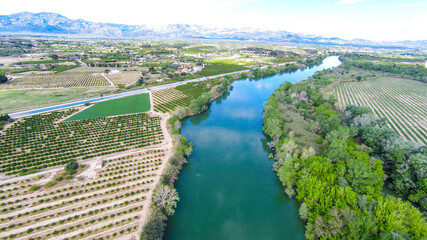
[348, 19]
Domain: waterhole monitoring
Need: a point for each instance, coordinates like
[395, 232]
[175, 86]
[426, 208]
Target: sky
[379, 20]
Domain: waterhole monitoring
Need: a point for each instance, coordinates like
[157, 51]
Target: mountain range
[44, 23]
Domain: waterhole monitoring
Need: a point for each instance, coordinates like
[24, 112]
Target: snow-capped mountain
[53, 23]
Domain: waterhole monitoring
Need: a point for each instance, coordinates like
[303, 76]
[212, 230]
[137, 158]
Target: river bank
[177, 160]
[225, 188]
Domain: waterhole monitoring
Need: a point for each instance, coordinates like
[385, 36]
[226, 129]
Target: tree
[303, 211]
[3, 77]
[153, 230]
[165, 198]
[185, 148]
[361, 177]
[201, 103]
[54, 56]
[140, 81]
[71, 166]
[359, 78]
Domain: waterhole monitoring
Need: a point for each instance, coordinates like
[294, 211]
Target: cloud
[343, 2]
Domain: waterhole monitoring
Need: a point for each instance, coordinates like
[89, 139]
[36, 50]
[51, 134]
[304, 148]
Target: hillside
[53, 23]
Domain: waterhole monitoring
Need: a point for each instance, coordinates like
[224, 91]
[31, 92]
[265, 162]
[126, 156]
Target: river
[228, 190]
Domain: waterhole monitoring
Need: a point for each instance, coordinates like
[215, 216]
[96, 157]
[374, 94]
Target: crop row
[166, 100]
[125, 78]
[107, 207]
[139, 165]
[403, 108]
[56, 80]
[43, 141]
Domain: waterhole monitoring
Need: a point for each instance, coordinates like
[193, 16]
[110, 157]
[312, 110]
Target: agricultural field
[219, 67]
[402, 102]
[198, 49]
[125, 105]
[106, 203]
[56, 80]
[124, 78]
[24, 99]
[42, 141]
[169, 99]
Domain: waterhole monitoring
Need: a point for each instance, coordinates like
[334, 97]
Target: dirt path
[106, 78]
[168, 151]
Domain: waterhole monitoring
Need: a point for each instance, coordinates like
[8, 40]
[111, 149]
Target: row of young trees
[336, 180]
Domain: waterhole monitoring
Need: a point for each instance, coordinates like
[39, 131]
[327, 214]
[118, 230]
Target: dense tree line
[313, 61]
[336, 180]
[273, 71]
[405, 162]
[415, 73]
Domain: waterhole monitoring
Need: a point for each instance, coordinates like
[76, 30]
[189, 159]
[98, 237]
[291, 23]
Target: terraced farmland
[110, 203]
[402, 102]
[56, 80]
[168, 99]
[43, 141]
[124, 78]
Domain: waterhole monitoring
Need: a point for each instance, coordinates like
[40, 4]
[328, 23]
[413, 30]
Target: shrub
[33, 188]
[49, 184]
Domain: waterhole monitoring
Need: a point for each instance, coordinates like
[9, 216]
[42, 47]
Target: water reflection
[228, 190]
[203, 117]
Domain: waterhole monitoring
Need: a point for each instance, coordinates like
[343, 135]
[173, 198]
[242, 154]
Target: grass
[216, 68]
[132, 104]
[19, 100]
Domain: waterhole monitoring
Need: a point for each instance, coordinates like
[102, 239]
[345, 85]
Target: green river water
[227, 189]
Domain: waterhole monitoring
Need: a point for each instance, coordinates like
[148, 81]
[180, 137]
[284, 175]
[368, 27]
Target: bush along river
[228, 189]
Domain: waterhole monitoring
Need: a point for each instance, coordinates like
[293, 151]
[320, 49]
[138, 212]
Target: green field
[198, 49]
[216, 68]
[132, 104]
[19, 100]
